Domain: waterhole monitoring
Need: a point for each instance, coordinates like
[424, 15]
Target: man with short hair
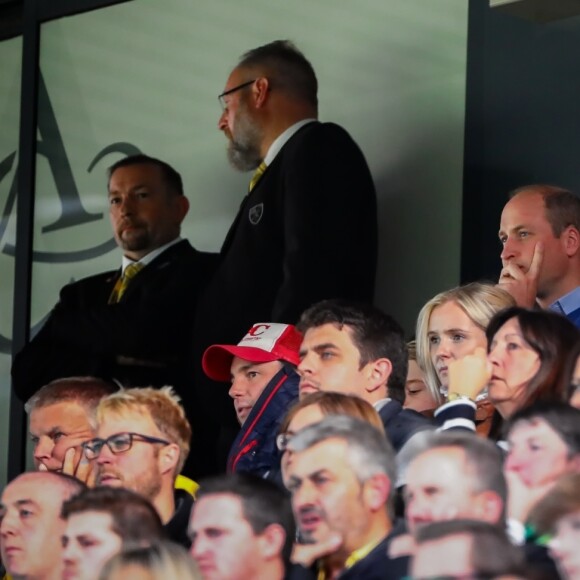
[261, 368]
[133, 324]
[101, 522]
[241, 527]
[465, 549]
[342, 479]
[358, 349]
[540, 235]
[31, 526]
[432, 492]
[142, 443]
[62, 416]
[312, 190]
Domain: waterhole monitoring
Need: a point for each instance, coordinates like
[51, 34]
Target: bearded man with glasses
[142, 442]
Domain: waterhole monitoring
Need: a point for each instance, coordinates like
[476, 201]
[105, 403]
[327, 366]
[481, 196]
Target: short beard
[244, 146]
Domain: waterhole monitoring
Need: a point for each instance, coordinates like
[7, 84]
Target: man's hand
[468, 376]
[522, 498]
[307, 554]
[523, 286]
[79, 467]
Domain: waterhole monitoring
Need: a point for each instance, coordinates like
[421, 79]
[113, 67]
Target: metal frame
[34, 13]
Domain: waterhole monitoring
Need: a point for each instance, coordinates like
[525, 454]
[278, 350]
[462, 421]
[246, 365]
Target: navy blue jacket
[254, 449]
[400, 424]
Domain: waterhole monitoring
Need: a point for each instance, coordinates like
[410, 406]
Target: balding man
[31, 526]
[540, 235]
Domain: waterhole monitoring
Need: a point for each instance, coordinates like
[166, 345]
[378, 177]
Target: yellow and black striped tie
[123, 282]
[257, 175]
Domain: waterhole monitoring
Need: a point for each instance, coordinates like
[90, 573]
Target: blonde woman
[452, 325]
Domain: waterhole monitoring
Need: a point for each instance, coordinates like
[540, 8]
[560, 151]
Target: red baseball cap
[264, 342]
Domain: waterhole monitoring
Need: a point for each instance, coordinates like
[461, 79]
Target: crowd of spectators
[356, 456]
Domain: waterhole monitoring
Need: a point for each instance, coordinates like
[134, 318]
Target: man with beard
[312, 189]
[134, 324]
[342, 478]
[142, 443]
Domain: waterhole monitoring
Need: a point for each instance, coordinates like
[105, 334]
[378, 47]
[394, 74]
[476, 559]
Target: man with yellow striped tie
[133, 325]
[307, 227]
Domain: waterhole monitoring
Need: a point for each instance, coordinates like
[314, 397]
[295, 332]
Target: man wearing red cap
[262, 370]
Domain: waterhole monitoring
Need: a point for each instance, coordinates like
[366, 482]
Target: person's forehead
[237, 76]
[217, 509]
[534, 427]
[437, 465]
[33, 487]
[137, 420]
[328, 333]
[90, 521]
[524, 207]
[65, 412]
[131, 176]
[328, 455]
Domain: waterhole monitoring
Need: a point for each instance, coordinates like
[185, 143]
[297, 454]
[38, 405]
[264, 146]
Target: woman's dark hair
[570, 367]
[551, 336]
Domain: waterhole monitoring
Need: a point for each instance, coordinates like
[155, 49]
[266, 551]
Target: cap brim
[217, 359]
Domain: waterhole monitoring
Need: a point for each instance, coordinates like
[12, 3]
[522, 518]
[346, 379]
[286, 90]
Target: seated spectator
[241, 527]
[358, 350]
[527, 361]
[558, 516]
[341, 479]
[432, 492]
[162, 561]
[62, 416]
[315, 407]
[417, 395]
[543, 445]
[31, 526]
[142, 443]
[465, 549]
[452, 325]
[262, 370]
[100, 522]
[540, 235]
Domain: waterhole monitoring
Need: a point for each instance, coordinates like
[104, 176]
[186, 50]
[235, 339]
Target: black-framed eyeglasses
[117, 443]
[282, 441]
[221, 99]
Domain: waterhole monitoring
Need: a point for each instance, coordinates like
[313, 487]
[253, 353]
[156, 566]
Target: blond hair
[164, 408]
[479, 300]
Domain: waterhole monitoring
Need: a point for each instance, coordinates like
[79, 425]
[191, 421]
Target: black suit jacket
[152, 324]
[306, 232]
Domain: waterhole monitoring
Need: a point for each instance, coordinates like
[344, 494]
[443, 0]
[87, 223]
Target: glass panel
[10, 67]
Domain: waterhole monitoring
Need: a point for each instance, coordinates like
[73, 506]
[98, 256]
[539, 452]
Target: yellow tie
[123, 282]
[257, 174]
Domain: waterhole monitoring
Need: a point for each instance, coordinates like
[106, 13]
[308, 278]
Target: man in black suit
[138, 332]
[307, 228]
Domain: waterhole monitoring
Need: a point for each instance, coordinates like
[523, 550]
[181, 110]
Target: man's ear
[260, 91]
[376, 491]
[571, 240]
[379, 372]
[488, 506]
[169, 458]
[271, 541]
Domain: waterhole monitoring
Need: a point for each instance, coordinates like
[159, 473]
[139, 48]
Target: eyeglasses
[118, 443]
[221, 99]
[282, 441]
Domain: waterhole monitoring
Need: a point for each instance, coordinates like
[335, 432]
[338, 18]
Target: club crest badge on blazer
[255, 214]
